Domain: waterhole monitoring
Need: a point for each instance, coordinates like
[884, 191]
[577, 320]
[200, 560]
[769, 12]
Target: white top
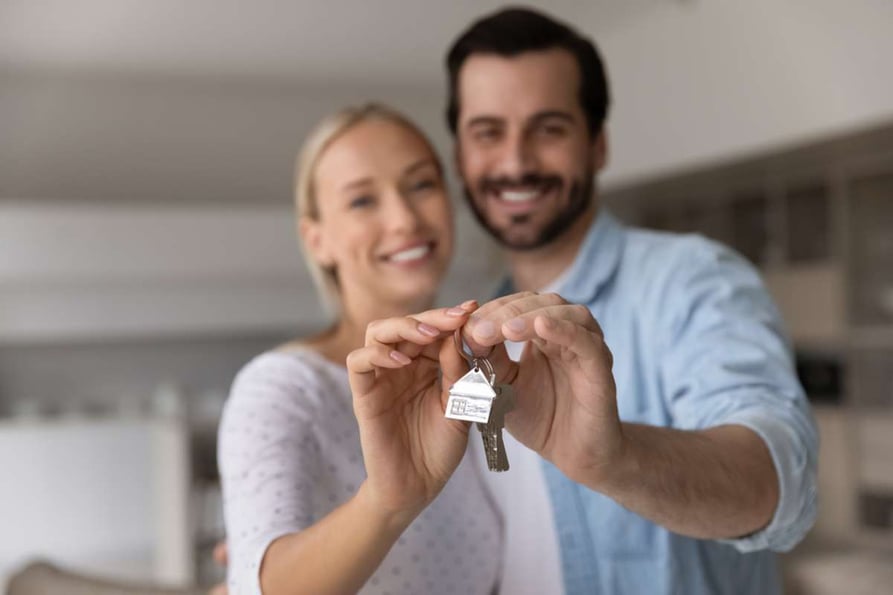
[531, 556]
[289, 453]
[531, 559]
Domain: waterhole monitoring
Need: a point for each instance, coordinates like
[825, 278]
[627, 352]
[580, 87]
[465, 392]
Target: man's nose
[518, 157]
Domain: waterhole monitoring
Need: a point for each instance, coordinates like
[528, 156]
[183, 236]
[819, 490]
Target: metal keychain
[476, 397]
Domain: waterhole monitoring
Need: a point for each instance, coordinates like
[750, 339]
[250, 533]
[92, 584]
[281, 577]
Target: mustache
[537, 180]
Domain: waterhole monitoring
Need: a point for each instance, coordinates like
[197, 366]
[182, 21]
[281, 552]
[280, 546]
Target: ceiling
[383, 40]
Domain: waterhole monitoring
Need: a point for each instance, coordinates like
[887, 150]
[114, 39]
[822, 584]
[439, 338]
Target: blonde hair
[306, 203]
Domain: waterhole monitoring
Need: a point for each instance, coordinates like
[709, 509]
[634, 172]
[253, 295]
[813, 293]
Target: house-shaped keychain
[471, 397]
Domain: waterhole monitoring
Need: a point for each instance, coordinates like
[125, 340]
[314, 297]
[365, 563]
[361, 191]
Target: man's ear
[312, 235]
[600, 149]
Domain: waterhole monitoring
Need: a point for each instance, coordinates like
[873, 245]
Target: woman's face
[385, 221]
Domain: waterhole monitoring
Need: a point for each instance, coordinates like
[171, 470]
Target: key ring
[474, 361]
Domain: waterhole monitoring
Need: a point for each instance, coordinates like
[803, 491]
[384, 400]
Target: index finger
[411, 334]
[484, 328]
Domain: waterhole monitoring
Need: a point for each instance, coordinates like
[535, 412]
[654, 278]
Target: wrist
[391, 522]
[615, 462]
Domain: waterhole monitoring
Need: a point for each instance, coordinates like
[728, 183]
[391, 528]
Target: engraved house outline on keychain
[471, 397]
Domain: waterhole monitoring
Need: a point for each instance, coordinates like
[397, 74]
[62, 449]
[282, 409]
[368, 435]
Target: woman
[334, 476]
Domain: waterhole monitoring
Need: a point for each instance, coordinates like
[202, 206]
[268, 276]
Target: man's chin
[519, 241]
[519, 233]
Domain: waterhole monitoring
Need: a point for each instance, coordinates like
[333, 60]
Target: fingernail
[457, 311]
[427, 329]
[516, 324]
[485, 329]
[468, 305]
[400, 357]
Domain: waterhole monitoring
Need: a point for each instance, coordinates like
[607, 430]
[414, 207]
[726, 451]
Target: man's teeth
[411, 254]
[518, 195]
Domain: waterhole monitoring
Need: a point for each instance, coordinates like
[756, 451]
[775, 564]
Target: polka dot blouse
[289, 453]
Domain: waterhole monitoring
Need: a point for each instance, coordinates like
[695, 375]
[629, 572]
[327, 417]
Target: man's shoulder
[651, 254]
[669, 272]
[660, 271]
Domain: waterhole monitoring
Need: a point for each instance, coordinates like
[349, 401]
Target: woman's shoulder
[292, 376]
[294, 360]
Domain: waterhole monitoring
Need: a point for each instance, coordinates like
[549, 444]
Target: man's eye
[486, 134]
[360, 202]
[553, 130]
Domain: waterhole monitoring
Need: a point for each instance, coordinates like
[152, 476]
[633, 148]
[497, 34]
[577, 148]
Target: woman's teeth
[411, 254]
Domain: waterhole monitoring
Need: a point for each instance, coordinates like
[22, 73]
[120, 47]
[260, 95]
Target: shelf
[811, 301]
[878, 337]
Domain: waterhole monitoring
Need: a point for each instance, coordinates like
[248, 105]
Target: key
[476, 397]
[471, 397]
[491, 432]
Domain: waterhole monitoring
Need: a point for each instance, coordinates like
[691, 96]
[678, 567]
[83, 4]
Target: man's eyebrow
[553, 114]
[480, 120]
[537, 117]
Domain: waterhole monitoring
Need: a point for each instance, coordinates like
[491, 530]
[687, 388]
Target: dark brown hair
[512, 31]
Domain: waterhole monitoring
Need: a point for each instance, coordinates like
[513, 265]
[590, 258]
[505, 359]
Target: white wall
[95, 270]
[693, 82]
[157, 205]
[71, 270]
[108, 496]
[710, 80]
[120, 137]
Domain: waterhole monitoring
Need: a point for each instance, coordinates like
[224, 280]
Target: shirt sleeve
[729, 362]
[269, 462]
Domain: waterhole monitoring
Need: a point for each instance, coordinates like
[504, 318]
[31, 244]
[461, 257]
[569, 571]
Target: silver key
[476, 397]
[491, 432]
[471, 397]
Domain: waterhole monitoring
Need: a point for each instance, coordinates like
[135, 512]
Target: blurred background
[147, 245]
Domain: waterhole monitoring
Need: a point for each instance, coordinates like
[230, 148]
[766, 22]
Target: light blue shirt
[697, 342]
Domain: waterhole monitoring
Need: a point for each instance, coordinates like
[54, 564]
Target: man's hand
[566, 407]
[719, 482]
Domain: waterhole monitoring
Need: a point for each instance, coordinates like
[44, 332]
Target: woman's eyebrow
[421, 163]
[356, 183]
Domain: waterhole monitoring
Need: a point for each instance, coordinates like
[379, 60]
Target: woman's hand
[409, 448]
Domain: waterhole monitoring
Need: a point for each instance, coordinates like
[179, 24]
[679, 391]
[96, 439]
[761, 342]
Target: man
[685, 465]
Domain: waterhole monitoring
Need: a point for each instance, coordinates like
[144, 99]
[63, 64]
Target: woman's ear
[314, 239]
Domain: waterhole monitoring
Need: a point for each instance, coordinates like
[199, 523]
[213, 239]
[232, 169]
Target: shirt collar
[594, 265]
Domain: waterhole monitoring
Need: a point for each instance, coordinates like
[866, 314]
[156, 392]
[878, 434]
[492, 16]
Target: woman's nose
[401, 215]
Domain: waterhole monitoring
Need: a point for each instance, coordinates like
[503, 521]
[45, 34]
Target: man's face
[523, 147]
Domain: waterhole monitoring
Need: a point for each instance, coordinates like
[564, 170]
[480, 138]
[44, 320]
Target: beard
[579, 197]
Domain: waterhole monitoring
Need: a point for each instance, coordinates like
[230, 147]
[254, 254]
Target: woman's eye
[423, 185]
[360, 202]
